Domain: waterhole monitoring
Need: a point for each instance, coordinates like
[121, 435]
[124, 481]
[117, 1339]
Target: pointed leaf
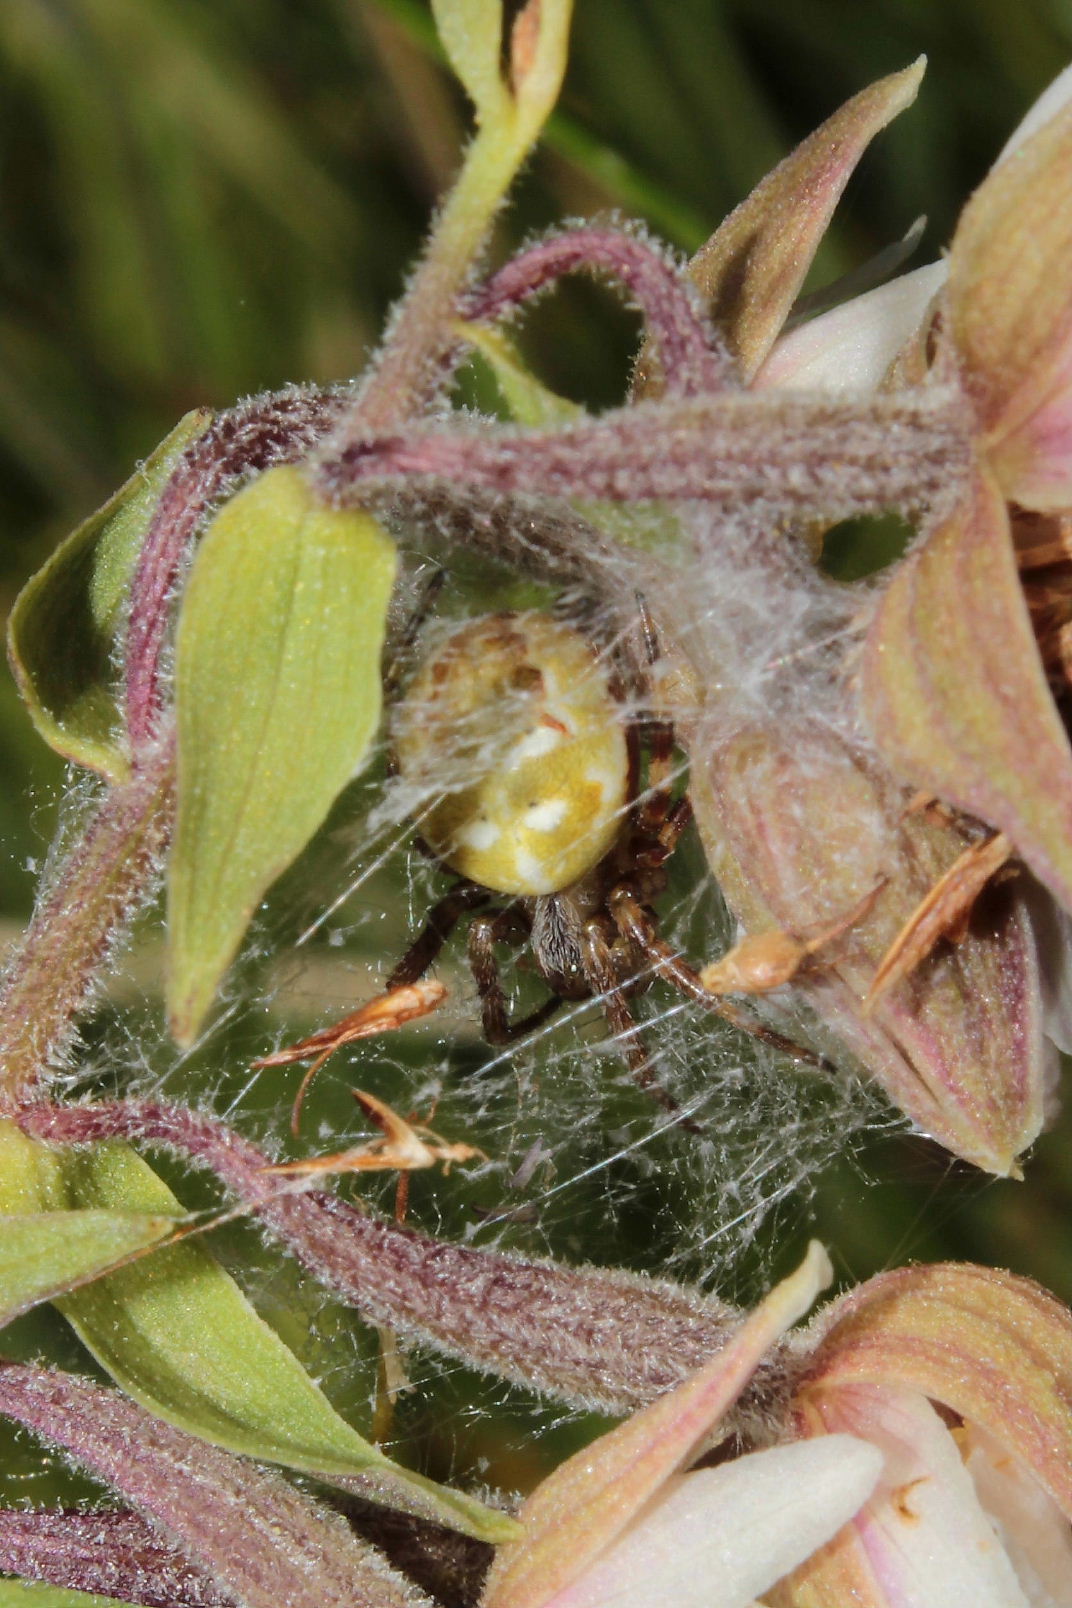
[278, 691]
[954, 691]
[995, 1349]
[176, 1332]
[471, 35]
[43, 1254]
[586, 1504]
[67, 621]
[751, 270]
[1010, 315]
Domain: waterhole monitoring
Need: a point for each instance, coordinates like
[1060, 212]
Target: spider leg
[484, 933]
[660, 830]
[657, 821]
[400, 658]
[636, 925]
[605, 983]
[442, 919]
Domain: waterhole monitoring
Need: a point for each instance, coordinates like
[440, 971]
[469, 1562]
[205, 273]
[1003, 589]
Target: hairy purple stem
[117, 1553]
[112, 1554]
[588, 1336]
[785, 456]
[80, 915]
[251, 437]
[255, 1536]
[687, 348]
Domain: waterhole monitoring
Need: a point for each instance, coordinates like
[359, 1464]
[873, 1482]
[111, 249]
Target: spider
[553, 838]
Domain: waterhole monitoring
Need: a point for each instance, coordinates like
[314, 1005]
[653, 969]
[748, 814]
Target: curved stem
[255, 435]
[687, 349]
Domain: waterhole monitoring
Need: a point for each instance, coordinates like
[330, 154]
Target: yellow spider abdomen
[514, 716]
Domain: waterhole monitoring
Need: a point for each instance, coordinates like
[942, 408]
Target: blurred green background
[201, 199]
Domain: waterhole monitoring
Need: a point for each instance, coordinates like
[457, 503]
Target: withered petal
[751, 270]
[798, 827]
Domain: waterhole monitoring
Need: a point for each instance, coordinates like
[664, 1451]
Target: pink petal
[851, 347]
[585, 1506]
[1010, 314]
[1036, 1533]
[995, 1349]
[1050, 102]
[922, 1540]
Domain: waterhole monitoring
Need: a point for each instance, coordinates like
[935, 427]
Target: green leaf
[65, 624]
[33, 1594]
[471, 34]
[278, 691]
[178, 1335]
[43, 1254]
[525, 398]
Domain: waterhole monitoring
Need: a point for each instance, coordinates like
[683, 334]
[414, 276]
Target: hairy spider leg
[441, 921]
[609, 990]
[400, 659]
[635, 923]
[484, 933]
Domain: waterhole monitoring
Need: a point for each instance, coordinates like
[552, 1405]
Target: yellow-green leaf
[178, 1335]
[43, 1254]
[471, 34]
[278, 691]
[34, 1594]
[64, 626]
[513, 82]
[525, 398]
[538, 46]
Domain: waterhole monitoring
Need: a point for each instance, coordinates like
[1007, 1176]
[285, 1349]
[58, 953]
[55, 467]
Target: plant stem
[80, 916]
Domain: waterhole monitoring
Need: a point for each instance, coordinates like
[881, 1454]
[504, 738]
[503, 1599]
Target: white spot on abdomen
[479, 835]
[545, 816]
[535, 744]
